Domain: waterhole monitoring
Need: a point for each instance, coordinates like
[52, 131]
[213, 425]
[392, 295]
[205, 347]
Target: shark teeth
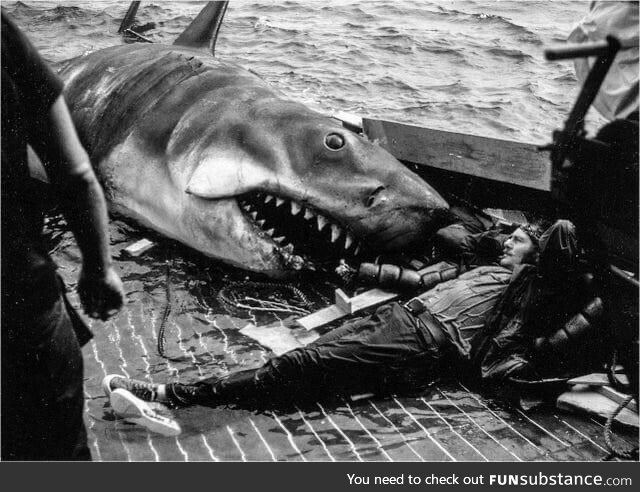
[322, 222]
[335, 233]
[267, 212]
[348, 241]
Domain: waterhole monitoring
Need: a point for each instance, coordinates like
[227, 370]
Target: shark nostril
[371, 199]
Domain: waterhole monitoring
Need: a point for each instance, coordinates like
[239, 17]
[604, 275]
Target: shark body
[205, 152]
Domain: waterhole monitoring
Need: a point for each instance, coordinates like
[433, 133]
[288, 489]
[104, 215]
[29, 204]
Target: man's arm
[71, 174]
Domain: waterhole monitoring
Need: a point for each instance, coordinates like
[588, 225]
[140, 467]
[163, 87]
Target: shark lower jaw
[302, 235]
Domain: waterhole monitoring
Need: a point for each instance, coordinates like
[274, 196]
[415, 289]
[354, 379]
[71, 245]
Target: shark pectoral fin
[227, 176]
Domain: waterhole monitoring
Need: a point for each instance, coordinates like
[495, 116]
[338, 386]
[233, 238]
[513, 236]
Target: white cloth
[618, 96]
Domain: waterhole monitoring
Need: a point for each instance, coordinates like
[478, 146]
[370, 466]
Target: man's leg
[42, 391]
[352, 358]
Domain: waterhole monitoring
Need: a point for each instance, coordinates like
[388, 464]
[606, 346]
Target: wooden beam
[583, 398]
[346, 306]
[597, 379]
[505, 161]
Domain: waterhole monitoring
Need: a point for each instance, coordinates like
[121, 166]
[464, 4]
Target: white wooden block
[139, 247]
[368, 299]
[343, 301]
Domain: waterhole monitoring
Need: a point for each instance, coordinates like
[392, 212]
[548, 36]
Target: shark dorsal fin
[203, 30]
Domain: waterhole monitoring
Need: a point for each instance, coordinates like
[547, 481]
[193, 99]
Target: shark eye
[334, 141]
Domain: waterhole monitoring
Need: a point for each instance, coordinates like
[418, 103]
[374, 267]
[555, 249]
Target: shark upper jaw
[303, 236]
[298, 234]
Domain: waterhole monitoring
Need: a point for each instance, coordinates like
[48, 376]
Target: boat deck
[449, 422]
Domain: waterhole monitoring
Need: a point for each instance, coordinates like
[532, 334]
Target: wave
[408, 60]
[454, 88]
[510, 53]
[520, 32]
[566, 77]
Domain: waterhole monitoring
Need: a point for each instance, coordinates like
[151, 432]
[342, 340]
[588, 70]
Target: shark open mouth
[300, 230]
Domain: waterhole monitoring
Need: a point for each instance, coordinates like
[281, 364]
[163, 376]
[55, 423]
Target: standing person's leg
[42, 388]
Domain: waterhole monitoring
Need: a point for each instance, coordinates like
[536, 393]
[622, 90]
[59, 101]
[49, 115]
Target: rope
[165, 313]
[615, 452]
[611, 374]
[233, 302]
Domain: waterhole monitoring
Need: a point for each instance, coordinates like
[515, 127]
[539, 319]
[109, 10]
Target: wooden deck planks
[448, 422]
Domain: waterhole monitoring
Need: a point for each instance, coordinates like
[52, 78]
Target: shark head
[304, 190]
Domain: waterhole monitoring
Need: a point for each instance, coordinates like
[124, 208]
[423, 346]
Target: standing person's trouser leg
[42, 388]
[355, 358]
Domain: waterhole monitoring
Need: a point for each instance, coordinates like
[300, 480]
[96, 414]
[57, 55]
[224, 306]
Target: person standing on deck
[42, 373]
[398, 345]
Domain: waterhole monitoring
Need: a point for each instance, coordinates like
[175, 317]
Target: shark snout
[404, 212]
[376, 196]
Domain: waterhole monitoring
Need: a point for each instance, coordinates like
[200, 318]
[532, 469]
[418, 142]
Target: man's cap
[534, 231]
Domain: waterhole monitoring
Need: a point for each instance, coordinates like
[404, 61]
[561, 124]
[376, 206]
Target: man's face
[517, 249]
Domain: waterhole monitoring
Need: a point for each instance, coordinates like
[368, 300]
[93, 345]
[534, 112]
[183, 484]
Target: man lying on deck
[503, 320]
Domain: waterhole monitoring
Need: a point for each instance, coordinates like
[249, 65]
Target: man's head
[521, 246]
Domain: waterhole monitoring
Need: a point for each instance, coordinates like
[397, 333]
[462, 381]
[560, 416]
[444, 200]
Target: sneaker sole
[133, 409]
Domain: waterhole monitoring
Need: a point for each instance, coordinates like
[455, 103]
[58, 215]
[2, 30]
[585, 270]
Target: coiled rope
[267, 297]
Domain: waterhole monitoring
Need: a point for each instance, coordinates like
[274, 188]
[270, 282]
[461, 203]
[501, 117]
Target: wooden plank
[582, 398]
[597, 379]
[616, 396]
[504, 161]
[370, 298]
[350, 121]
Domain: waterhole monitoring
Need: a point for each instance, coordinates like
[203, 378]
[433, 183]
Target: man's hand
[101, 294]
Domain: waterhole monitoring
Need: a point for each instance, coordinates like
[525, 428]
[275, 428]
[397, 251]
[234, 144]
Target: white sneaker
[141, 389]
[132, 409]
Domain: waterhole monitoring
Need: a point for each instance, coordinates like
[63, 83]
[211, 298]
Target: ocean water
[469, 66]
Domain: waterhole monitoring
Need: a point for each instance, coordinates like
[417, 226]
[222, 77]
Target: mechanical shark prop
[205, 152]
